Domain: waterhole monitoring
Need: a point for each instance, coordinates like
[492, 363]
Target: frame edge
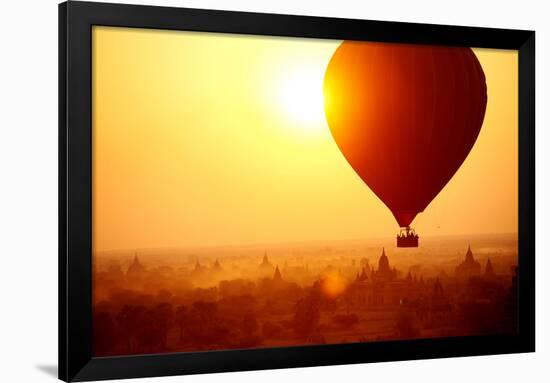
[75, 358]
[62, 195]
[526, 196]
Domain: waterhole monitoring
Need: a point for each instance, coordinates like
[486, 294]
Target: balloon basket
[407, 238]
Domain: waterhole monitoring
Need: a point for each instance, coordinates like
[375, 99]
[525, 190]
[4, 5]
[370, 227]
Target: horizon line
[294, 242]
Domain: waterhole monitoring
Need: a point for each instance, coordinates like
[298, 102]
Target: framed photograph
[245, 191]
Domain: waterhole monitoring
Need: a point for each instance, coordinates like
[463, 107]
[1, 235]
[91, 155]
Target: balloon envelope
[405, 117]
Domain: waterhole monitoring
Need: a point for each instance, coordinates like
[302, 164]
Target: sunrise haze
[209, 139]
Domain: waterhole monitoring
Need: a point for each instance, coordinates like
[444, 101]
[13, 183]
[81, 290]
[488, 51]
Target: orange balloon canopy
[405, 117]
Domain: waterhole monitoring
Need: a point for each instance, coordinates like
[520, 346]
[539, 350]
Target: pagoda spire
[217, 266]
[136, 267]
[265, 261]
[489, 271]
[277, 275]
[469, 254]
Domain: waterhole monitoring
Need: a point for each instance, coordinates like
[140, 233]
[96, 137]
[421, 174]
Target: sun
[301, 98]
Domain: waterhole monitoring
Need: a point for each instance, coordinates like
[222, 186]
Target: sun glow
[333, 284]
[301, 98]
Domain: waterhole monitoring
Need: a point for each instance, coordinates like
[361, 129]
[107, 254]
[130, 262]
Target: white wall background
[28, 189]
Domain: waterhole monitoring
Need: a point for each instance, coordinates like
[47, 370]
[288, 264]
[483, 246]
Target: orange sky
[211, 139]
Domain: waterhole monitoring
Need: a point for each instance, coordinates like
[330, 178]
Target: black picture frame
[76, 19]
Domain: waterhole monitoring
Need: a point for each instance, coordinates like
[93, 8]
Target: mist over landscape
[315, 292]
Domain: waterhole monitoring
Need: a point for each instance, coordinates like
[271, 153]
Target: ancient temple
[216, 266]
[469, 267]
[363, 276]
[489, 271]
[266, 267]
[198, 270]
[136, 268]
[385, 272]
[277, 275]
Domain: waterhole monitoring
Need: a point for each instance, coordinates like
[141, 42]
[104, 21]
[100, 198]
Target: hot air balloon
[405, 117]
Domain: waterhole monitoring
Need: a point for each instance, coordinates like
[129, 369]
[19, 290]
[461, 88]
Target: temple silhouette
[246, 301]
[469, 267]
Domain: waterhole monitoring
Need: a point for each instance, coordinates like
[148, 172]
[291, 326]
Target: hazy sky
[212, 139]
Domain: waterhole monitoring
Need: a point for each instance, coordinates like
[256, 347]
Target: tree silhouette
[307, 315]
[163, 316]
[105, 334]
[249, 330]
[249, 325]
[129, 322]
[407, 326]
[270, 329]
[201, 322]
[181, 319]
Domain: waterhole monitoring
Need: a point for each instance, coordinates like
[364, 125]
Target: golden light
[301, 97]
[333, 284]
